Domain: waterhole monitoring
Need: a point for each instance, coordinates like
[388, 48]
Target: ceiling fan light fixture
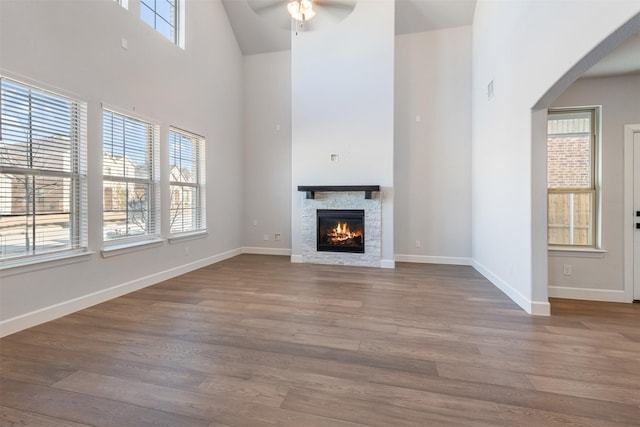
[301, 10]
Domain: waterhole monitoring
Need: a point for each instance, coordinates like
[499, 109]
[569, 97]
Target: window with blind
[43, 200]
[187, 178]
[162, 15]
[572, 145]
[130, 179]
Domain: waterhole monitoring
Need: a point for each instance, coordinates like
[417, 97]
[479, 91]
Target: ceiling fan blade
[272, 12]
[261, 7]
[337, 4]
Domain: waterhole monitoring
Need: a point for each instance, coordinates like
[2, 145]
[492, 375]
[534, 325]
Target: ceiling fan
[308, 14]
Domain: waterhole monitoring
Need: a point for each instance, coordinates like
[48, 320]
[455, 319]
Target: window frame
[594, 190]
[175, 28]
[151, 182]
[198, 145]
[123, 3]
[74, 180]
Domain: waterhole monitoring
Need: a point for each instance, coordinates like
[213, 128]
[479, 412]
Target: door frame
[628, 218]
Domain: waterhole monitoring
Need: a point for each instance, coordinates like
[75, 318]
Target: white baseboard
[540, 308]
[589, 294]
[28, 320]
[266, 251]
[384, 263]
[387, 263]
[424, 259]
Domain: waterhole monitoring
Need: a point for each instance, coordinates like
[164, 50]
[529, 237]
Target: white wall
[600, 276]
[433, 156]
[524, 47]
[74, 47]
[267, 156]
[342, 102]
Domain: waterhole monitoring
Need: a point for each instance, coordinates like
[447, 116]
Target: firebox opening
[340, 230]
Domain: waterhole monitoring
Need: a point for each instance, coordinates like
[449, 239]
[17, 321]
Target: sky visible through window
[161, 15]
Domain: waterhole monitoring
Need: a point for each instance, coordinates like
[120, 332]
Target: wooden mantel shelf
[312, 189]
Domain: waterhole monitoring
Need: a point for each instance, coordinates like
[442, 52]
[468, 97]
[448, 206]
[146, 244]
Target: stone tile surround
[343, 200]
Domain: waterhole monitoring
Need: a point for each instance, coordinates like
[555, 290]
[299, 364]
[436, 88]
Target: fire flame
[342, 233]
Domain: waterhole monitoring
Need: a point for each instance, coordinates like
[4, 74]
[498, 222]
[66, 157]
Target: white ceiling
[271, 31]
[623, 60]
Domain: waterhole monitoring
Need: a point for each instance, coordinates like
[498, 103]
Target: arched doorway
[539, 160]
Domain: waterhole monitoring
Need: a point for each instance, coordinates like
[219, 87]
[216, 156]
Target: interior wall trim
[539, 308]
[427, 259]
[46, 314]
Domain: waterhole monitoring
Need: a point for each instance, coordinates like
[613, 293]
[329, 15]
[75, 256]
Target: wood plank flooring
[258, 341]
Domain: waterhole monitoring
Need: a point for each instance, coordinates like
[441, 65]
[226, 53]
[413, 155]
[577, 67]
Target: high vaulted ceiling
[270, 32]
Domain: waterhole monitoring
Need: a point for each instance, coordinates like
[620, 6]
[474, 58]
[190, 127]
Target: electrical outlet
[276, 237]
[566, 269]
[265, 237]
[418, 244]
[186, 251]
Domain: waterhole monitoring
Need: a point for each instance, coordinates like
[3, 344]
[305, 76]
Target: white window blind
[43, 200]
[130, 178]
[187, 179]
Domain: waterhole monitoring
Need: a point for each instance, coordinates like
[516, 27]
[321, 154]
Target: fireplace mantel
[312, 189]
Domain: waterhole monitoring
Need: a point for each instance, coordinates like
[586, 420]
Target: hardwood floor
[258, 341]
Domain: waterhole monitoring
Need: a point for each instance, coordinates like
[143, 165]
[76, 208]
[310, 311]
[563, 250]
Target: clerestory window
[162, 15]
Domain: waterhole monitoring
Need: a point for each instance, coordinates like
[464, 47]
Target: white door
[636, 215]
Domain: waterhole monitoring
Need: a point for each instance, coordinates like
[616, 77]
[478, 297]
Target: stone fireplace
[341, 225]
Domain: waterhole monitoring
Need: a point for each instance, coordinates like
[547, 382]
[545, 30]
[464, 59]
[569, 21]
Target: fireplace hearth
[340, 230]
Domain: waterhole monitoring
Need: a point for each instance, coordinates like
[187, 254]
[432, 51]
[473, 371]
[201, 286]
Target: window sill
[126, 248]
[576, 252]
[28, 265]
[188, 236]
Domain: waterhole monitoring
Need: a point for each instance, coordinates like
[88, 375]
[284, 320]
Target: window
[43, 200]
[187, 178]
[571, 176]
[123, 3]
[161, 15]
[130, 182]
